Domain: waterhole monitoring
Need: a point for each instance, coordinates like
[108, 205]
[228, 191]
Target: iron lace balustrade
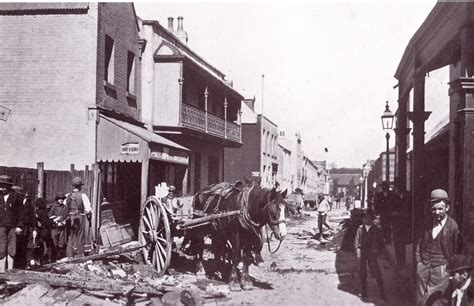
[195, 119]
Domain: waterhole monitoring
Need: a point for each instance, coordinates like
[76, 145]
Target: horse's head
[274, 213]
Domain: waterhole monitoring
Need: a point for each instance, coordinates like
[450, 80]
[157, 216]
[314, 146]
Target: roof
[21, 8]
[345, 179]
[145, 134]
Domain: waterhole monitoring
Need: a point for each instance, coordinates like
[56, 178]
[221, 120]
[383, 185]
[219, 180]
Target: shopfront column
[402, 133]
[462, 138]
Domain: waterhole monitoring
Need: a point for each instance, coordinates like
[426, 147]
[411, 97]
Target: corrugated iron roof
[22, 8]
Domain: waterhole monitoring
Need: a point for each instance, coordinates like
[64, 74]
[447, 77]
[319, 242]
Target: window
[131, 72]
[282, 133]
[109, 67]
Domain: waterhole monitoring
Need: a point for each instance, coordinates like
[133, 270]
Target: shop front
[131, 161]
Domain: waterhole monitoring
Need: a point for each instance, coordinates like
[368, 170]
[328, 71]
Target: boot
[2, 265]
[10, 262]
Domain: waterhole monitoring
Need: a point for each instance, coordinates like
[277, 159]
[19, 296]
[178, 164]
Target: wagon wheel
[155, 234]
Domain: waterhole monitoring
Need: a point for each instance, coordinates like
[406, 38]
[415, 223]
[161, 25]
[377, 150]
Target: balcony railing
[195, 119]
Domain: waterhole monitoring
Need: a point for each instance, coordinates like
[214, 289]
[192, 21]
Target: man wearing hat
[437, 245]
[79, 209]
[10, 222]
[58, 215]
[457, 290]
[173, 203]
[383, 206]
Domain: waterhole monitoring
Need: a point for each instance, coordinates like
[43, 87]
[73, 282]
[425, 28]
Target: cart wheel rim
[155, 234]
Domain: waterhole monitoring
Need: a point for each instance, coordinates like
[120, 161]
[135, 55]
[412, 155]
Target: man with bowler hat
[437, 245]
[79, 209]
[10, 222]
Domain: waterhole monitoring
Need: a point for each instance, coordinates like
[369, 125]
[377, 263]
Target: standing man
[437, 245]
[10, 223]
[383, 206]
[172, 203]
[401, 225]
[323, 209]
[58, 215]
[79, 209]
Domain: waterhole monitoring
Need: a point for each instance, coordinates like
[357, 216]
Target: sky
[328, 66]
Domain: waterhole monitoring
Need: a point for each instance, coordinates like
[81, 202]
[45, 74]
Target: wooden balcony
[199, 120]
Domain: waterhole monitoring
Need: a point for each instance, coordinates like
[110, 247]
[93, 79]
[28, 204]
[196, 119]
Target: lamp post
[361, 198]
[387, 125]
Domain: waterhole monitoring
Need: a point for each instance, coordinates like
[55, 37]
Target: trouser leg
[422, 280]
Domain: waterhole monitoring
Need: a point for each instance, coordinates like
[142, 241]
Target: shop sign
[164, 156]
[130, 148]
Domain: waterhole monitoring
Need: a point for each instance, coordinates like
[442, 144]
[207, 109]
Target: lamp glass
[387, 118]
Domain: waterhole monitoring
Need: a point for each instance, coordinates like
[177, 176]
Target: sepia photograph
[237, 152]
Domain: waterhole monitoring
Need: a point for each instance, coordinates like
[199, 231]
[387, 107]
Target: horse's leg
[259, 246]
[245, 281]
[236, 255]
[199, 243]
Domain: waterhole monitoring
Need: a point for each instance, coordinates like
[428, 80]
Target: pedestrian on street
[299, 201]
[384, 202]
[42, 245]
[27, 214]
[459, 288]
[11, 203]
[323, 209]
[58, 215]
[437, 244]
[79, 212]
[369, 245]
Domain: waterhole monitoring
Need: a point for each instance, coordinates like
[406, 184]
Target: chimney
[180, 32]
[170, 24]
[250, 103]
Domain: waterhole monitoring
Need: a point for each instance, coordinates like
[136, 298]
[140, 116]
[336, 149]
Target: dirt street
[303, 272]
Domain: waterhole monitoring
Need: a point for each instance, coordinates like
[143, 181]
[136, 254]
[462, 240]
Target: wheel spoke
[160, 259]
[163, 240]
[150, 216]
[147, 222]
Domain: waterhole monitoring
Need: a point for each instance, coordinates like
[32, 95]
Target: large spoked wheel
[155, 234]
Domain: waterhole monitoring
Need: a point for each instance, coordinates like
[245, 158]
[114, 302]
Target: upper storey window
[131, 72]
[109, 67]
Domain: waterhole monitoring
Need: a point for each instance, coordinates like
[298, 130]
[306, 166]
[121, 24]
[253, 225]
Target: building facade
[188, 101]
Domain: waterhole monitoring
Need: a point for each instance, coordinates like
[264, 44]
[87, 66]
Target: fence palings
[68, 281]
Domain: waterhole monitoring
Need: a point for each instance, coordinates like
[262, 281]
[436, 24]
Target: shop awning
[122, 141]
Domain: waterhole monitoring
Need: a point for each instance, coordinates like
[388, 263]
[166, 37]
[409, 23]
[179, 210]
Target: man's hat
[60, 195]
[458, 263]
[369, 212]
[77, 181]
[171, 188]
[6, 180]
[18, 189]
[439, 195]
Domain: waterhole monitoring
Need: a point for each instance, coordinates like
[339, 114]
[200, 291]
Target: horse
[257, 207]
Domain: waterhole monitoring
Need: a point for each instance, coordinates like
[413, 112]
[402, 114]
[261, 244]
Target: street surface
[303, 272]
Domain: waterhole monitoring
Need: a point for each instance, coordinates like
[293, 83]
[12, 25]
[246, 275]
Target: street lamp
[387, 125]
[361, 191]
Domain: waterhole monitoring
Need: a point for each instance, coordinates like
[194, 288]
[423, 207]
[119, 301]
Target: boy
[459, 286]
[58, 215]
[369, 244]
[323, 209]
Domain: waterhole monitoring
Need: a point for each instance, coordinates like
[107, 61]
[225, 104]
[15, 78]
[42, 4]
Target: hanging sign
[130, 148]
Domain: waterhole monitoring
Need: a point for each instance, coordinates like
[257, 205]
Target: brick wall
[118, 21]
[241, 162]
[48, 65]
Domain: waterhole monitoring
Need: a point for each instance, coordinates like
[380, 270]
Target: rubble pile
[114, 277]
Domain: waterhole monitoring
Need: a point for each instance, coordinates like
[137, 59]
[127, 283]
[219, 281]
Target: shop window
[131, 73]
[109, 67]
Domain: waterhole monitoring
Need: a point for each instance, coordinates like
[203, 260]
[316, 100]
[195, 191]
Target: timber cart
[158, 226]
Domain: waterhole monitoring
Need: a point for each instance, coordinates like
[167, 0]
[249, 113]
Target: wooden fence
[46, 183]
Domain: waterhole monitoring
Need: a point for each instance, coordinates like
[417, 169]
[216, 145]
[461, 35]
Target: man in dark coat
[383, 206]
[10, 222]
[58, 215]
[437, 244]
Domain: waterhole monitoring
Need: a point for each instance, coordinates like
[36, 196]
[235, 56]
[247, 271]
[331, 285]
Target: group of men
[443, 277]
[26, 226]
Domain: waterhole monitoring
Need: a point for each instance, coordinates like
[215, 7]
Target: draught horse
[257, 207]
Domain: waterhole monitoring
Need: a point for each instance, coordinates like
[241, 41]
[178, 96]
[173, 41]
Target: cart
[158, 226]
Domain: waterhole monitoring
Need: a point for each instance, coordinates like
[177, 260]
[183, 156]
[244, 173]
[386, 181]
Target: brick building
[71, 85]
[188, 101]
[258, 156]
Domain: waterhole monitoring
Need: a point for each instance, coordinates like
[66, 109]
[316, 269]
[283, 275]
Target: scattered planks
[92, 257]
[68, 281]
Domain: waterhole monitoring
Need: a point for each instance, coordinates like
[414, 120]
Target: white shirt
[437, 229]
[5, 197]
[367, 227]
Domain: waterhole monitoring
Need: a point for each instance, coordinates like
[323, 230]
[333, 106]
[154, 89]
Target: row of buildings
[92, 86]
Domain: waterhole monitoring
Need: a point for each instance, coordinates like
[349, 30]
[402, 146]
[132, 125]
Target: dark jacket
[369, 241]
[443, 297]
[58, 210]
[27, 214]
[11, 210]
[449, 239]
[384, 204]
